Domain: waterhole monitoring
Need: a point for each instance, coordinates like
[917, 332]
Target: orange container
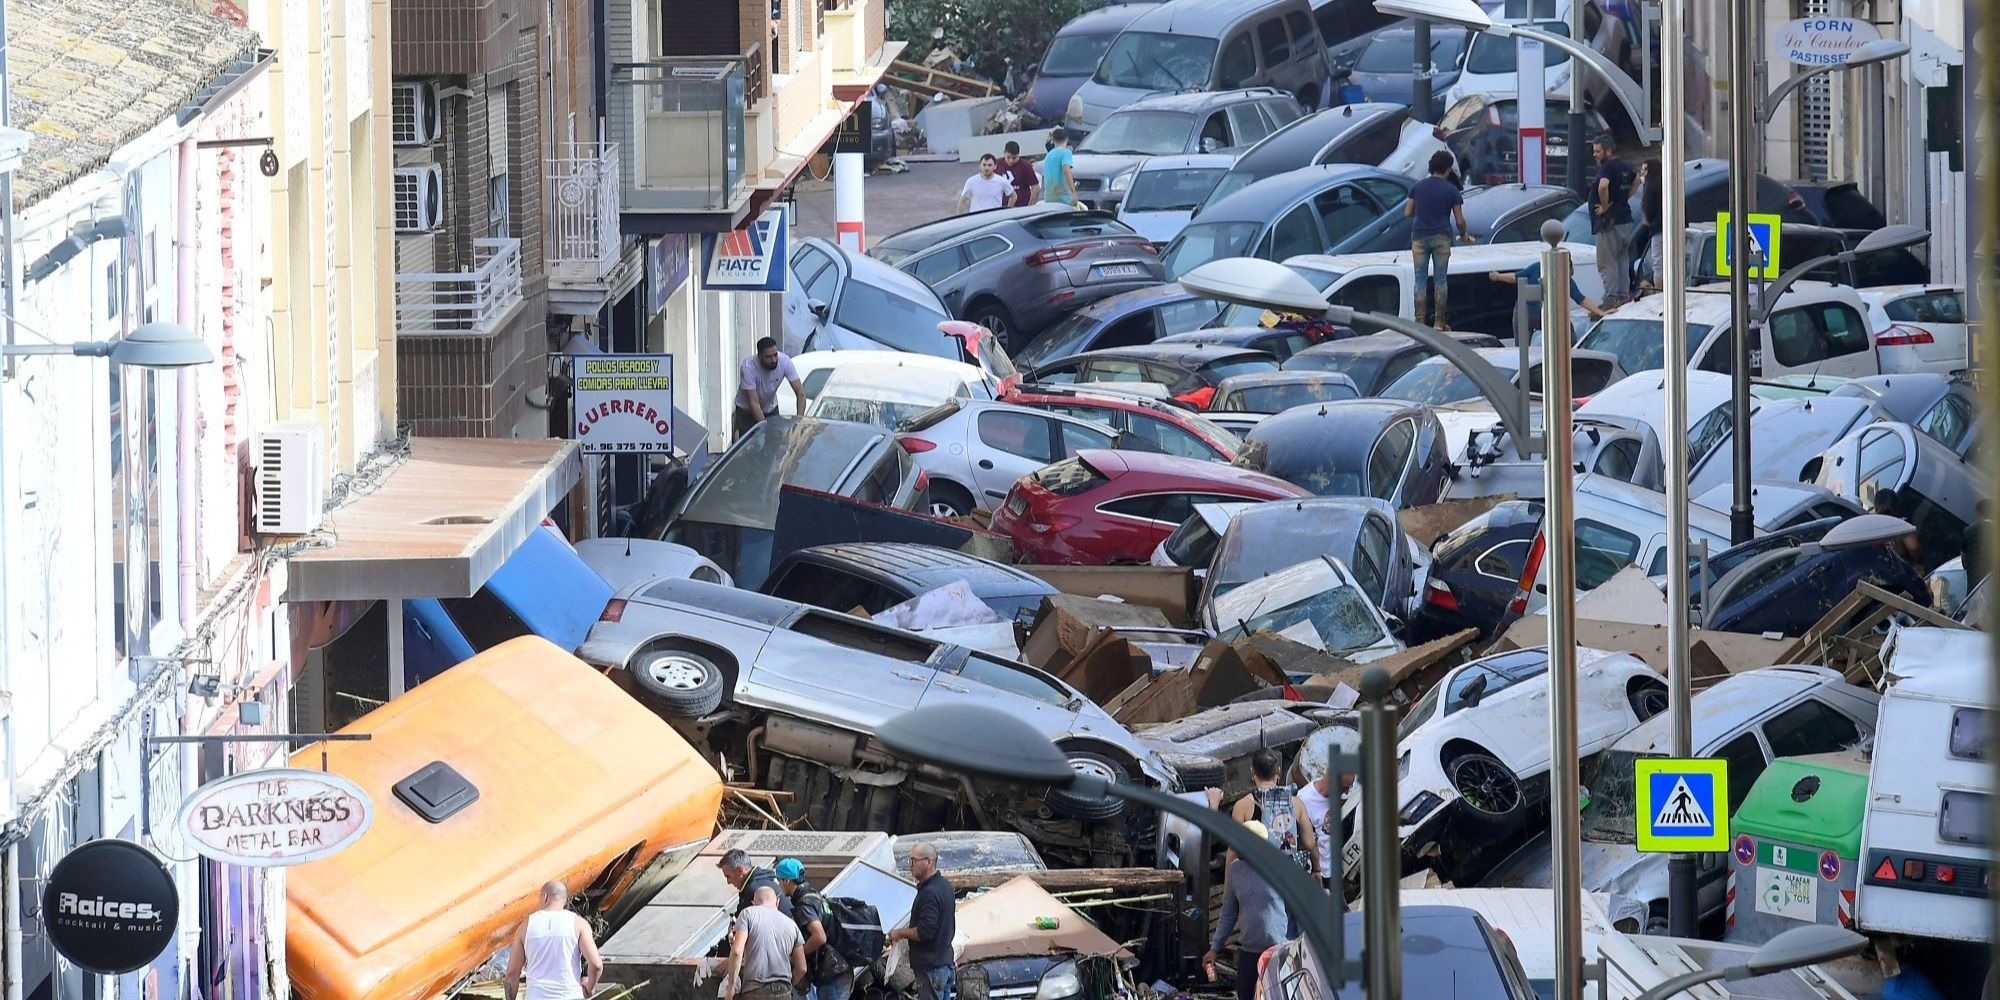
[576, 780]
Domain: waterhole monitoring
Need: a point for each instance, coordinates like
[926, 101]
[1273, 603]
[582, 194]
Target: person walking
[1322, 811]
[1532, 275]
[1611, 221]
[828, 976]
[985, 190]
[1434, 204]
[933, 923]
[1278, 808]
[553, 952]
[757, 392]
[1020, 173]
[739, 871]
[1059, 169]
[767, 954]
[1250, 904]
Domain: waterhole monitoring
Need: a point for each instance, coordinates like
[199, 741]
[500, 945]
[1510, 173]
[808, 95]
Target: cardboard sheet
[1001, 924]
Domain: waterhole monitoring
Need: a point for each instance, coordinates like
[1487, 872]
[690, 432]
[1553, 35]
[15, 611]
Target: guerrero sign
[275, 817]
[1822, 41]
[109, 907]
[624, 402]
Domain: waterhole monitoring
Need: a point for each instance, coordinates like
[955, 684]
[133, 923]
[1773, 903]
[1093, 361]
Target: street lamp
[985, 741]
[154, 345]
[1876, 51]
[1885, 238]
[1795, 948]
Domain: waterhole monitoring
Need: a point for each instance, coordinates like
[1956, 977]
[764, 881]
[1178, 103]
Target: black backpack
[854, 929]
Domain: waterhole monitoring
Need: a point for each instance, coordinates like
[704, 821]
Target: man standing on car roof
[1611, 221]
[748, 878]
[933, 923]
[757, 393]
[1434, 204]
[828, 976]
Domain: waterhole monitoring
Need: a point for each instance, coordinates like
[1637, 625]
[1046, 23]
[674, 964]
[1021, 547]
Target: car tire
[682, 683]
[1196, 770]
[950, 500]
[1071, 805]
[1484, 784]
[990, 314]
[1647, 699]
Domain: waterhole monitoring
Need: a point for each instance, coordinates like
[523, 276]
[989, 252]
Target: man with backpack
[829, 976]
[1278, 808]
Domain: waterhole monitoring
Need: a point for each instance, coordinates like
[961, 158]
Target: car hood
[1614, 868]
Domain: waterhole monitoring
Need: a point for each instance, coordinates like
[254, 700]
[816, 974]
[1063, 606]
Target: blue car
[1128, 319]
[1788, 590]
[1385, 72]
[543, 589]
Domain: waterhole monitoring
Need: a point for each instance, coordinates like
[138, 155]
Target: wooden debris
[1068, 880]
[927, 80]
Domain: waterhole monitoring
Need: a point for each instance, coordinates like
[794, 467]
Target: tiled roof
[91, 75]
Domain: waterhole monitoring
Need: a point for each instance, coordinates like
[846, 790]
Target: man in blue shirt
[1058, 169]
[1611, 221]
[1532, 275]
[1434, 204]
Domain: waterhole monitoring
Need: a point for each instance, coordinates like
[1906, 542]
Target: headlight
[1418, 808]
[1124, 180]
[1074, 112]
[1060, 982]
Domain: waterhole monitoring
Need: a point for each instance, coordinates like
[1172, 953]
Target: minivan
[1190, 45]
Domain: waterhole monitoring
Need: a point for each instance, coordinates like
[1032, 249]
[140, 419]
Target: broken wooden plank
[1072, 879]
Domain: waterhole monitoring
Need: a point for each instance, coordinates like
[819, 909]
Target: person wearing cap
[828, 976]
[1251, 905]
[738, 871]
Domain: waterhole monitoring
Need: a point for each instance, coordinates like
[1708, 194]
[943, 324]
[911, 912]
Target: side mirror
[1342, 74]
[1396, 623]
[818, 308]
[1475, 689]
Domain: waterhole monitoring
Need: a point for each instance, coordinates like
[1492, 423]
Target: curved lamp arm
[1682, 982]
[1769, 105]
[1490, 380]
[1626, 88]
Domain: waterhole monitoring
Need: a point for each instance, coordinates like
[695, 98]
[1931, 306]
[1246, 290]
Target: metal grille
[1815, 104]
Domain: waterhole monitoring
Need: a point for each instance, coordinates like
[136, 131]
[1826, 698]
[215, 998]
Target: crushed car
[1317, 603]
[1362, 532]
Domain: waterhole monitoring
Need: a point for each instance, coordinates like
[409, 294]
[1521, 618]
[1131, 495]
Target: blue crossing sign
[1764, 232]
[1682, 804]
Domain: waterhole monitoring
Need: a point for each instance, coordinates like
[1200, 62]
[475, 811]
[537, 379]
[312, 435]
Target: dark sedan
[1789, 590]
[1475, 571]
[1375, 360]
[1386, 449]
[1506, 213]
[1128, 319]
[1320, 209]
[1015, 271]
[1276, 392]
[1190, 372]
[1280, 342]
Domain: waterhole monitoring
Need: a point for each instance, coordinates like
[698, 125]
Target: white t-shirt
[986, 192]
[765, 382]
[1318, 809]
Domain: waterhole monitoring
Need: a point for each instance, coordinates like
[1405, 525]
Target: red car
[1106, 507]
[1146, 424]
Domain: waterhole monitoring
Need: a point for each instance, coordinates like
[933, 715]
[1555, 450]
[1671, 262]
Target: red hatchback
[1116, 506]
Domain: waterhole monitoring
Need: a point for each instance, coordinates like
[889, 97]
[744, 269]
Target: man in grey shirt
[1252, 905]
[757, 391]
[767, 955]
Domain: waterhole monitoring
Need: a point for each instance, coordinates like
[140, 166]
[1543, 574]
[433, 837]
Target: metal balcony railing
[584, 245]
[679, 123]
[465, 303]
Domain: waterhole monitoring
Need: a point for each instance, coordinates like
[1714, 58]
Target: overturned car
[790, 696]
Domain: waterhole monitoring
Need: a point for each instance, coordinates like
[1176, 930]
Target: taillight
[1198, 398]
[1055, 522]
[1437, 594]
[1899, 335]
[614, 610]
[1134, 241]
[923, 480]
[916, 445]
[1050, 255]
[1519, 605]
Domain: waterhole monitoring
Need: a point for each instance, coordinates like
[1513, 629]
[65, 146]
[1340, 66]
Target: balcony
[584, 245]
[473, 303]
[681, 120]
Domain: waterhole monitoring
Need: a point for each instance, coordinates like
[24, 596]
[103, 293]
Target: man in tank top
[1278, 808]
[553, 952]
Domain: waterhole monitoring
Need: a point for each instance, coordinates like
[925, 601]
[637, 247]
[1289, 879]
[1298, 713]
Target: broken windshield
[1311, 603]
[1608, 817]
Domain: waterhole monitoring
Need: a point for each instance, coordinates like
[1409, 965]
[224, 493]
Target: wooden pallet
[924, 81]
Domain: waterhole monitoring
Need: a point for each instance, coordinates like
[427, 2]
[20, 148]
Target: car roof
[1199, 100]
[919, 238]
[1300, 141]
[1486, 206]
[1883, 293]
[1187, 161]
[1467, 258]
[1191, 354]
[1106, 20]
[928, 566]
[1385, 343]
[1349, 447]
[1732, 703]
[870, 271]
[1262, 199]
[1195, 17]
[1220, 335]
[1282, 377]
[1113, 464]
[1710, 303]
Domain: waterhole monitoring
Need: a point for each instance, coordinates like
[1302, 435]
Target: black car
[1839, 204]
[1800, 243]
[876, 576]
[1484, 132]
[1128, 319]
[1381, 448]
[1278, 342]
[1505, 213]
[1189, 371]
[1787, 591]
[1375, 360]
[1449, 953]
[1475, 571]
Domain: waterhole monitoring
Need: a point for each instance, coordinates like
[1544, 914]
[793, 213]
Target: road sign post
[1683, 804]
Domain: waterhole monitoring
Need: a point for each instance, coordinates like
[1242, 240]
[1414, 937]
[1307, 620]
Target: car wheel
[1648, 699]
[948, 500]
[1196, 770]
[684, 684]
[994, 316]
[1486, 785]
[1066, 803]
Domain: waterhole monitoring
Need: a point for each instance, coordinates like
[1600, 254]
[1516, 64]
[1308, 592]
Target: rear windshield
[1436, 382]
[1285, 395]
[742, 488]
[1179, 190]
[1075, 55]
[1216, 371]
[1067, 478]
[877, 412]
[1944, 305]
[1066, 226]
[1493, 54]
[1152, 60]
[930, 417]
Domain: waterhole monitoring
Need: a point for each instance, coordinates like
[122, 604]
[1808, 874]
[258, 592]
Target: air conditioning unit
[416, 120]
[291, 478]
[419, 197]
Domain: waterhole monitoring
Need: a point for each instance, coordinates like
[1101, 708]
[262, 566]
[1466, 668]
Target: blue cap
[791, 869]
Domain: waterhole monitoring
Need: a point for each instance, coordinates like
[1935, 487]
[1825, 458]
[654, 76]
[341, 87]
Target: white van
[1384, 283]
[1817, 329]
[1926, 855]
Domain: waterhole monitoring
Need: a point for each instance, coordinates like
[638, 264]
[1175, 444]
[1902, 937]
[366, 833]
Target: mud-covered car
[1212, 748]
[790, 696]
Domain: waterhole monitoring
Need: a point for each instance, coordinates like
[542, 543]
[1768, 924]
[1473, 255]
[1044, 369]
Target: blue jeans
[1430, 257]
[935, 984]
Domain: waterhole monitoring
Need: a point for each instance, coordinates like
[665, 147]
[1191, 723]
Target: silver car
[975, 450]
[812, 686]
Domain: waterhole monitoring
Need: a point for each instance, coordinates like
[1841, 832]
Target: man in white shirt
[987, 190]
[757, 393]
[553, 954]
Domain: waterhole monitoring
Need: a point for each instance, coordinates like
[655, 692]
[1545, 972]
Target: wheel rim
[677, 673]
[1652, 701]
[941, 509]
[1094, 768]
[1485, 785]
[993, 322]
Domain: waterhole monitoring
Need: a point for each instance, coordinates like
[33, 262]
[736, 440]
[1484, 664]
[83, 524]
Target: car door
[845, 671]
[1308, 58]
[813, 279]
[1275, 47]
[1296, 232]
[1006, 445]
[1824, 338]
[969, 677]
[1247, 124]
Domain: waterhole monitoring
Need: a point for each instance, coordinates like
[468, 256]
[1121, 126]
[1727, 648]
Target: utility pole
[1420, 83]
[1576, 142]
[1565, 825]
[1743, 100]
[1673, 277]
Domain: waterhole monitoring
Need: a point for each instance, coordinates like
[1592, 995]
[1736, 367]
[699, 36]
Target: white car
[1317, 603]
[888, 392]
[976, 450]
[1473, 754]
[1166, 190]
[1787, 438]
[816, 367]
[623, 562]
[1918, 328]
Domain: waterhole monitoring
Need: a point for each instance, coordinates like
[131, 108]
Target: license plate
[1119, 271]
[1350, 855]
[1788, 894]
[1017, 505]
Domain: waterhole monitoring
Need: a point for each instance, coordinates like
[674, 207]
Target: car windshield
[1639, 343]
[1608, 818]
[1284, 396]
[893, 320]
[1069, 336]
[1153, 60]
[1259, 545]
[1075, 55]
[1149, 133]
[1392, 52]
[1205, 241]
[1434, 381]
[741, 488]
[879, 413]
[1943, 305]
[1181, 189]
[1493, 54]
[1308, 603]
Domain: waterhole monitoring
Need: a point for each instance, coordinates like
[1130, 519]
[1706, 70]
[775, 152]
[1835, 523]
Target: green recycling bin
[1796, 847]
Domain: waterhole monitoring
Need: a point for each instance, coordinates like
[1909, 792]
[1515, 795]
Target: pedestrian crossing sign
[1682, 804]
[1764, 232]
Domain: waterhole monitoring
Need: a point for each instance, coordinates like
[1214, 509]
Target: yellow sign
[1765, 229]
[1682, 804]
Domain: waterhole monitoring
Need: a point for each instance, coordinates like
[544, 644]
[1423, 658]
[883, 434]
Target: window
[826, 587]
[1016, 433]
[1949, 421]
[1154, 60]
[932, 268]
[1881, 459]
[1381, 293]
[823, 283]
[1281, 113]
[1814, 333]
[1180, 317]
[1248, 123]
[485, 619]
[1156, 435]
[1387, 194]
[866, 637]
[1111, 370]
[499, 215]
[1238, 65]
[1075, 438]
[986, 248]
[1148, 507]
[1707, 433]
[1131, 331]
[1371, 143]
[889, 318]
[1601, 550]
[1968, 732]
[1014, 679]
[1619, 460]
[1343, 211]
[1063, 374]
[1962, 819]
[1743, 761]
[1810, 727]
[1271, 39]
[1397, 367]
[1215, 132]
[1295, 234]
[1503, 561]
[1371, 560]
[1305, 38]
[1942, 305]
[1391, 455]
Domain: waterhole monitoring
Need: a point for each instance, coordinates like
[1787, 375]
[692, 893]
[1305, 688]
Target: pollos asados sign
[109, 906]
[275, 817]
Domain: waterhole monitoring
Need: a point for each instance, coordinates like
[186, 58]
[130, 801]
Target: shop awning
[440, 523]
